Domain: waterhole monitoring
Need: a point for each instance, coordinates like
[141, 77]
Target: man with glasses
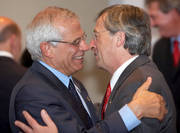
[57, 45]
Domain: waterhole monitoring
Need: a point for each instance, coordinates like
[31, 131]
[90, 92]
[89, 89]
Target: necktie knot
[176, 53]
[72, 90]
[105, 101]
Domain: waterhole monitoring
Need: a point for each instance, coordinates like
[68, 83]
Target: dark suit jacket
[162, 56]
[40, 89]
[132, 77]
[10, 74]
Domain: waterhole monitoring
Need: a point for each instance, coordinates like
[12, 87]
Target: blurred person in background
[165, 15]
[10, 70]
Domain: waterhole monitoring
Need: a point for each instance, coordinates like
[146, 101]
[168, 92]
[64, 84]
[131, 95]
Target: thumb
[143, 87]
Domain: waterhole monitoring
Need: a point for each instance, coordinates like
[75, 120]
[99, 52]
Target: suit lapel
[54, 81]
[141, 60]
[59, 86]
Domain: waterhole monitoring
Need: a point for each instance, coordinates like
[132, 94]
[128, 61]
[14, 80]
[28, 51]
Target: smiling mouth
[78, 57]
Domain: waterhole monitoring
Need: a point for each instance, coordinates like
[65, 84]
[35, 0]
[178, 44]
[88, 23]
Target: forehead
[100, 24]
[69, 26]
[153, 7]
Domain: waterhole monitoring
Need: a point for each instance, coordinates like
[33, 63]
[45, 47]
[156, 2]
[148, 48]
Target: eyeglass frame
[74, 43]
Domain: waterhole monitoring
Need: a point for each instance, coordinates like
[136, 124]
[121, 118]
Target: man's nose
[152, 22]
[84, 46]
[92, 44]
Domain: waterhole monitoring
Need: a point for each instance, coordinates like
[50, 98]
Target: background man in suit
[122, 45]
[165, 15]
[57, 44]
[11, 71]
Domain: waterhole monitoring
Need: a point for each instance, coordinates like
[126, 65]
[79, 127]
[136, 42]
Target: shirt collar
[6, 54]
[172, 41]
[119, 71]
[62, 77]
[175, 38]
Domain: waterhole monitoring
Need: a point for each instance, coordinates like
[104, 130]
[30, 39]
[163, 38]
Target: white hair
[39, 34]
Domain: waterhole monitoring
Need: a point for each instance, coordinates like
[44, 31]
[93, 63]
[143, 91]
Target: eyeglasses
[76, 42]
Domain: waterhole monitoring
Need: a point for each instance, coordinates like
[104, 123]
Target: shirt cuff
[129, 118]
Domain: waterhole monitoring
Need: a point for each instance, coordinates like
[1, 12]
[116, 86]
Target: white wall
[23, 11]
[139, 3]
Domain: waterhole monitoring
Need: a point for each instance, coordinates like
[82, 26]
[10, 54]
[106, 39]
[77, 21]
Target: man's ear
[14, 46]
[120, 37]
[12, 42]
[46, 49]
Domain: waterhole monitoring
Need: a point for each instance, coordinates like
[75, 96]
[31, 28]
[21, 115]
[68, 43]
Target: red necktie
[106, 98]
[176, 53]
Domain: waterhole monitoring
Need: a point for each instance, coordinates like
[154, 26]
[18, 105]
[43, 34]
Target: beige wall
[22, 11]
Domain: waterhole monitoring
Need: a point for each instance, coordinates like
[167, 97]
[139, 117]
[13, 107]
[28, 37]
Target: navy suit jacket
[40, 89]
[10, 74]
[132, 77]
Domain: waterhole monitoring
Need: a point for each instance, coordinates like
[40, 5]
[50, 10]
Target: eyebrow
[79, 37]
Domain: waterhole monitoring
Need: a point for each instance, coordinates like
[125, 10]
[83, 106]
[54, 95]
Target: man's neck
[120, 70]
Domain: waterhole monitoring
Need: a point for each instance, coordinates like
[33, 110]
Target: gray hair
[134, 22]
[43, 29]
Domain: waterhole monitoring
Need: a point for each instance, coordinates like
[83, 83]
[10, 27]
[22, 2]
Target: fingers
[143, 87]
[46, 118]
[159, 110]
[23, 126]
[31, 121]
[163, 111]
[147, 83]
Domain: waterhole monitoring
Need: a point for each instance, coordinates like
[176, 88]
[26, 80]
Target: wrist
[136, 109]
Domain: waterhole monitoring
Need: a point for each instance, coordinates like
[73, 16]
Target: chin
[99, 65]
[77, 70]
[165, 34]
[80, 67]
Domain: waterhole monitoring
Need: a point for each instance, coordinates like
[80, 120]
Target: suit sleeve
[35, 98]
[149, 125]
